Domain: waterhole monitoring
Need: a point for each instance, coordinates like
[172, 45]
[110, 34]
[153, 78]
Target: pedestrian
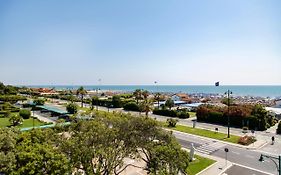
[272, 139]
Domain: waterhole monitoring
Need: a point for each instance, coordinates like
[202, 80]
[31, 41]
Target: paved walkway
[43, 119]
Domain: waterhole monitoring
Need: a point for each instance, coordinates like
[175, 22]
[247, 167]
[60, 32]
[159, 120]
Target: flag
[217, 83]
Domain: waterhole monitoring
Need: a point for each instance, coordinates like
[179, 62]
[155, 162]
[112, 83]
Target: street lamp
[273, 159]
[228, 104]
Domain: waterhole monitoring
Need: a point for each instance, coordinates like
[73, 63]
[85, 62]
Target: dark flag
[217, 83]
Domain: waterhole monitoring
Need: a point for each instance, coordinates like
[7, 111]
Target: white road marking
[252, 157]
[235, 152]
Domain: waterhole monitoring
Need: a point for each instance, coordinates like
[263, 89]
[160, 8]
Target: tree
[157, 98]
[15, 119]
[261, 113]
[37, 154]
[25, 114]
[146, 106]
[279, 128]
[72, 108]
[145, 94]
[82, 92]
[116, 101]
[95, 101]
[169, 103]
[138, 95]
[8, 139]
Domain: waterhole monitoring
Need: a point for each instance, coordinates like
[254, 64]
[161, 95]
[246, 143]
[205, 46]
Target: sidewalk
[43, 119]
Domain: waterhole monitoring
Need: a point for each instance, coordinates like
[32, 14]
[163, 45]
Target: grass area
[4, 122]
[192, 114]
[199, 164]
[206, 133]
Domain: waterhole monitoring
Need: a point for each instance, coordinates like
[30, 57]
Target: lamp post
[228, 119]
[274, 159]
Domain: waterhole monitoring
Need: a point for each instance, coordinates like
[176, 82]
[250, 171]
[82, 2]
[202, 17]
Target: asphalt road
[235, 170]
[240, 156]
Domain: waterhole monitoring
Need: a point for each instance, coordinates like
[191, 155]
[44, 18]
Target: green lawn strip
[192, 114]
[29, 123]
[4, 122]
[206, 133]
[199, 164]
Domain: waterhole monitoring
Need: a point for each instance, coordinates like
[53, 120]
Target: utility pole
[228, 119]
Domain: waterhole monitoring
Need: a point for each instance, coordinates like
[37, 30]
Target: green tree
[169, 103]
[116, 101]
[138, 95]
[81, 92]
[146, 106]
[8, 139]
[37, 154]
[72, 108]
[95, 101]
[157, 97]
[145, 94]
[261, 114]
[25, 114]
[15, 119]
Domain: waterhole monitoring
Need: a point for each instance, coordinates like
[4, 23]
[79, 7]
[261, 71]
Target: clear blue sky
[138, 42]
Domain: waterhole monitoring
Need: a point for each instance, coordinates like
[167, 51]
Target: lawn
[4, 122]
[192, 114]
[199, 164]
[206, 133]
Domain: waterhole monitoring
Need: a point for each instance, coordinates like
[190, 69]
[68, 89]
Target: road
[235, 169]
[240, 156]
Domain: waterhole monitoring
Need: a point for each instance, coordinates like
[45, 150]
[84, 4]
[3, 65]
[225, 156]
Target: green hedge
[172, 113]
[131, 106]
[254, 117]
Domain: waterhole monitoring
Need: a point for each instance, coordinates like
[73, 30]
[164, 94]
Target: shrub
[116, 101]
[25, 114]
[279, 128]
[131, 106]
[172, 122]
[165, 112]
[15, 119]
[246, 140]
[72, 108]
[183, 115]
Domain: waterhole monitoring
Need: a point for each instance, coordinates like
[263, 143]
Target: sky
[135, 42]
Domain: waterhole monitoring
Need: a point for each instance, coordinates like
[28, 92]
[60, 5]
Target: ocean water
[261, 91]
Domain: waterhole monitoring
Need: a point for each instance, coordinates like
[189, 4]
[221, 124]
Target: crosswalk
[209, 148]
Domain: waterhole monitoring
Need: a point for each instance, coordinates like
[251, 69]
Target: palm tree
[169, 103]
[137, 93]
[146, 106]
[145, 94]
[81, 91]
[157, 97]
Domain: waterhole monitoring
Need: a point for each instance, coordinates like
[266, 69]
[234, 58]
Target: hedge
[254, 117]
[131, 106]
[171, 113]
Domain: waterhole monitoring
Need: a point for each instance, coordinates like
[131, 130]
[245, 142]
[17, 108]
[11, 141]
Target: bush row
[172, 113]
[254, 117]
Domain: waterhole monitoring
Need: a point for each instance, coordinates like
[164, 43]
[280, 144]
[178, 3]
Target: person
[272, 139]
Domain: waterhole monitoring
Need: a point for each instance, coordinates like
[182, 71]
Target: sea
[255, 91]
